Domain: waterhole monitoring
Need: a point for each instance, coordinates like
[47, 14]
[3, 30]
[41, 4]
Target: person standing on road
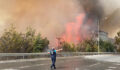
[52, 53]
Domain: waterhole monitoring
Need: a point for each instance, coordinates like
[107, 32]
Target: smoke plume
[86, 24]
[73, 20]
[46, 16]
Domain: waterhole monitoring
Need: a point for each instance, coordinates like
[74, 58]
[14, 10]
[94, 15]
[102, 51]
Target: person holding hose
[52, 53]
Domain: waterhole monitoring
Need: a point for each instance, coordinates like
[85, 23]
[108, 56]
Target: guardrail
[9, 56]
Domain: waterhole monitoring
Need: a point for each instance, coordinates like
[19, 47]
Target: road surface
[64, 63]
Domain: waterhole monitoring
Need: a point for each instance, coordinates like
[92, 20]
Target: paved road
[63, 63]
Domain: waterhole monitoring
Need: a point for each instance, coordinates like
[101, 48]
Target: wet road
[63, 63]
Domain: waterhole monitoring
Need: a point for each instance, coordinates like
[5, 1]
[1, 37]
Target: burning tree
[85, 26]
[86, 23]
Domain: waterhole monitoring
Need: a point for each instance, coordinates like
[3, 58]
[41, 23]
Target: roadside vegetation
[12, 41]
[85, 46]
[117, 41]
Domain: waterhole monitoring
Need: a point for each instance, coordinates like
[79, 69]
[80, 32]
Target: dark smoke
[92, 7]
[86, 25]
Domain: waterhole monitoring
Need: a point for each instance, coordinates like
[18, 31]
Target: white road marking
[117, 64]
[112, 67]
[24, 67]
[93, 65]
[108, 69]
[107, 58]
[77, 69]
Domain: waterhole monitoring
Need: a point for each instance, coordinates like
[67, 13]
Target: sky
[113, 26]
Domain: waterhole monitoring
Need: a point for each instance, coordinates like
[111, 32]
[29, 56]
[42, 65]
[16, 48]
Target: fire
[77, 31]
[73, 30]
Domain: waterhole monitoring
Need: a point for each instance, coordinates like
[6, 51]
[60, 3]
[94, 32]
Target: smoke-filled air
[71, 20]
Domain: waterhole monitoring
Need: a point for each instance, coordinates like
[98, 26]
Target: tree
[106, 46]
[67, 47]
[117, 41]
[28, 43]
[81, 47]
[84, 46]
[12, 41]
[88, 46]
[40, 44]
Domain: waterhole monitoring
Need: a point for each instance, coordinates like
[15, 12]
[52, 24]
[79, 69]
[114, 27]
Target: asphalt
[62, 63]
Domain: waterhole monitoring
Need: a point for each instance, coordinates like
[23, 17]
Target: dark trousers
[53, 59]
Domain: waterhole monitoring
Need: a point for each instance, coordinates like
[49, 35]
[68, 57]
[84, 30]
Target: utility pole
[98, 36]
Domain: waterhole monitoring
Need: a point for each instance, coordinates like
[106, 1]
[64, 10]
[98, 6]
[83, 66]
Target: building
[103, 36]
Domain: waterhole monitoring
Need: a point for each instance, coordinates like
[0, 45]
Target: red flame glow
[73, 30]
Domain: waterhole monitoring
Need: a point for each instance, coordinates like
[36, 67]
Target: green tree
[40, 44]
[106, 46]
[67, 47]
[117, 41]
[84, 46]
[10, 41]
[81, 47]
[88, 46]
[28, 43]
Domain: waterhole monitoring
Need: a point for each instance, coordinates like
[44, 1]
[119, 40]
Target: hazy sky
[109, 7]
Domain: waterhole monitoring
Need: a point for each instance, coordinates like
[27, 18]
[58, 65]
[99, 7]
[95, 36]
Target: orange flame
[72, 33]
